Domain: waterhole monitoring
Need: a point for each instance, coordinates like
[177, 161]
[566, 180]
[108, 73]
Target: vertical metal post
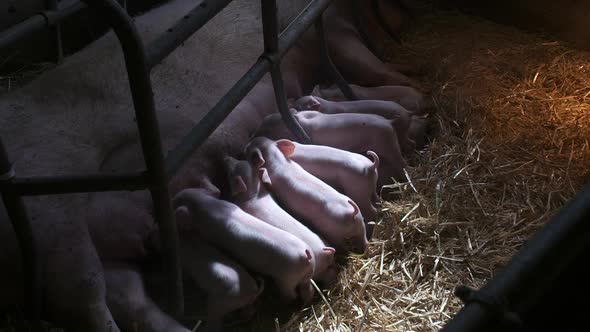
[53, 5]
[270, 29]
[17, 213]
[328, 64]
[142, 94]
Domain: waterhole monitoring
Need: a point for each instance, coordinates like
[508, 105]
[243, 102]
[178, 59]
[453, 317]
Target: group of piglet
[291, 207]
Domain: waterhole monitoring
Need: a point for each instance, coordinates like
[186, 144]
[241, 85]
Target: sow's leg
[350, 54]
[131, 306]
[75, 287]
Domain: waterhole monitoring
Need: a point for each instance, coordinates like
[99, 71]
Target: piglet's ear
[286, 147]
[374, 158]
[256, 158]
[209, 187]
[183, 217]
[355, 207]
[313, 104]
[182, 213]
[264, 178]
[308, 255]
[327, 254]
[238, 186]
[329, 250]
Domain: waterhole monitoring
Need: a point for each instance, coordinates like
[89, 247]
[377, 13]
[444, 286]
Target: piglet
[336, 217]
[348, 131]
[248, 193]
[408, 97]
[350, 173]
[227, 285]
[399, 116]
[258, 246]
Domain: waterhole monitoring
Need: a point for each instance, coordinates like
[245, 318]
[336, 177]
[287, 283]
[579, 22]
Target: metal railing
[139, 60]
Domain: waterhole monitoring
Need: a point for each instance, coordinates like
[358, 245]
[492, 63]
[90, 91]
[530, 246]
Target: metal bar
[182, 30]
[38, 22]
[53, 185]
[54, 6]
[281, 98]
[17, 214]
[223, 108]
[534, 269]
[270, 27]
[329, 64]
[300, 24]
[21, 30]
[142, 94]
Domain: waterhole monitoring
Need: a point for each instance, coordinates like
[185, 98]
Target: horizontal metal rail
[39, 22]
[197, 136]
[53, 185]
[531, 272]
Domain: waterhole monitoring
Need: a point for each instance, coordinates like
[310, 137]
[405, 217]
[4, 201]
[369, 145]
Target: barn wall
[566, 19]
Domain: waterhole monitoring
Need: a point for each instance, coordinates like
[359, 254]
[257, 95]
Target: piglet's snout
[357, 245]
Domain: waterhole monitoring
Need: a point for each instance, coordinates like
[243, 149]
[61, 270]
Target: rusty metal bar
[69, 184]
[270, 28]
[36, 23]
[182, 30]
[147, 123]
[17, 214]
[223, 108]
[329, 64]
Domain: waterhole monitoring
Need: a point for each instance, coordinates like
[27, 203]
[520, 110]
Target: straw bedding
[510, 145]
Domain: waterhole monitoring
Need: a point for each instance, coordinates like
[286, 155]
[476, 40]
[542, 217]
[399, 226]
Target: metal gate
[139, 60]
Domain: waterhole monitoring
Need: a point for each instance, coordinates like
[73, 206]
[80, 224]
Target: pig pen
[509, 147]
